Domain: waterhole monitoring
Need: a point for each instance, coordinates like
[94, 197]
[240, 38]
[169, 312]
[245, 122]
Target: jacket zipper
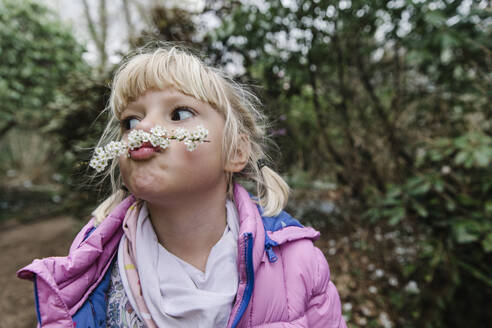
[272, 257]
[36, 300]
[250, 279]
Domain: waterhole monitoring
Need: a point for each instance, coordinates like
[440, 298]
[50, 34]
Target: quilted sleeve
[324, 309]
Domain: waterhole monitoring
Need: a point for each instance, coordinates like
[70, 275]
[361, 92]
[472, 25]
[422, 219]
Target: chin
[141, 185]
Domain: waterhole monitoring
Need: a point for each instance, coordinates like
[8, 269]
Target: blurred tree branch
[98, 32]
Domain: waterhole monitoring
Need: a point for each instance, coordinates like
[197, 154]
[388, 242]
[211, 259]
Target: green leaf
[448, 40]
[421, 210]
[488, 207]
[408, 270]
[466, 231]
[466, 200]
[476, 272]
[482, 159]
[389, 201]
[461, 157]
[393, 192]
[450, 205]
[487, 243]
[439, 185]
[420, 189]
[397, 214]
[435, 17]
[436, 156]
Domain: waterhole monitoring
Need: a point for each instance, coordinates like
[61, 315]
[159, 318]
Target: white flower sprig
[158, 137]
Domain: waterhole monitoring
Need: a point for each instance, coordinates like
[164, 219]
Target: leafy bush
[44, 81]
[38, 54]
[448, 205]
[390, 101]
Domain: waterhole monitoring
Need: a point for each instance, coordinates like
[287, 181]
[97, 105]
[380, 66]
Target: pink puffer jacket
[284, 280]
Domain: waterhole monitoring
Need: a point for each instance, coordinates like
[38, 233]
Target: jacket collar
[267, 231]
[284, 228]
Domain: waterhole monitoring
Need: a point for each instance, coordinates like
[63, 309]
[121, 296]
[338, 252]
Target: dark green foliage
[78, 132]
[46, 93]
[390, 99]
[38, 56]
[449, 203]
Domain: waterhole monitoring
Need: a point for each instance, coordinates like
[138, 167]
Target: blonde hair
[169, 65]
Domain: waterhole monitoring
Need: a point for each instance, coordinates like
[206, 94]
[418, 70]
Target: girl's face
[173, 173]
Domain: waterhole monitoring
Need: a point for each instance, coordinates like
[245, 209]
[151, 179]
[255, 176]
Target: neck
[191, 227]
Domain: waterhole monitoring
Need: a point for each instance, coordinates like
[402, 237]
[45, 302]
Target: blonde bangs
[165, 68]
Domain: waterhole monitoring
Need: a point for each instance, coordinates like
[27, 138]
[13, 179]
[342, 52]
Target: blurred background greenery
[381, 111]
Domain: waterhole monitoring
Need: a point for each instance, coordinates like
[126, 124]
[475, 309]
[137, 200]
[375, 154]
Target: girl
[180, 243]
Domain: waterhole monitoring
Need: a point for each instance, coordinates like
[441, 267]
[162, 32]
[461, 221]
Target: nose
[148, 122]
[145, 125]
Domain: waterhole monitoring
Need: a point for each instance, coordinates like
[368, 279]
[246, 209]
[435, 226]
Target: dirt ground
[19, 245]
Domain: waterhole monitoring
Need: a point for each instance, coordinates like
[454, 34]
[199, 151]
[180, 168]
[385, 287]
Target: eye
[130, 123]
[181, 113]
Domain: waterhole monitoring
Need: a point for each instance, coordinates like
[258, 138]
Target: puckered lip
[145, 151]
[149, 145]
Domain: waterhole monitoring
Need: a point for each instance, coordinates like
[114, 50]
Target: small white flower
[98, 164]
[332, 243]
[373, 290]
[123, 149]
[132, 144]
[134, 140]
[362, 321]
[115, 149]
[366, 311]
[332, 251]
[110, 148]
[393, 281]
[379, 273]
[391, 235]
[144, 136]
[190, 145]
[100, 153]
[196, 135]
[445, 169]
[200, 133]
[400, 250]
[181, 134]
[156, 141]
[203, 131]
[97, 158]
[159, 131]
[158, 137]
[164, 143]
[347, 307]
[412, 287]
[371, 267]
[385, 321]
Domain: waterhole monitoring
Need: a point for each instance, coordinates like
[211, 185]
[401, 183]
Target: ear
[239, 159]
